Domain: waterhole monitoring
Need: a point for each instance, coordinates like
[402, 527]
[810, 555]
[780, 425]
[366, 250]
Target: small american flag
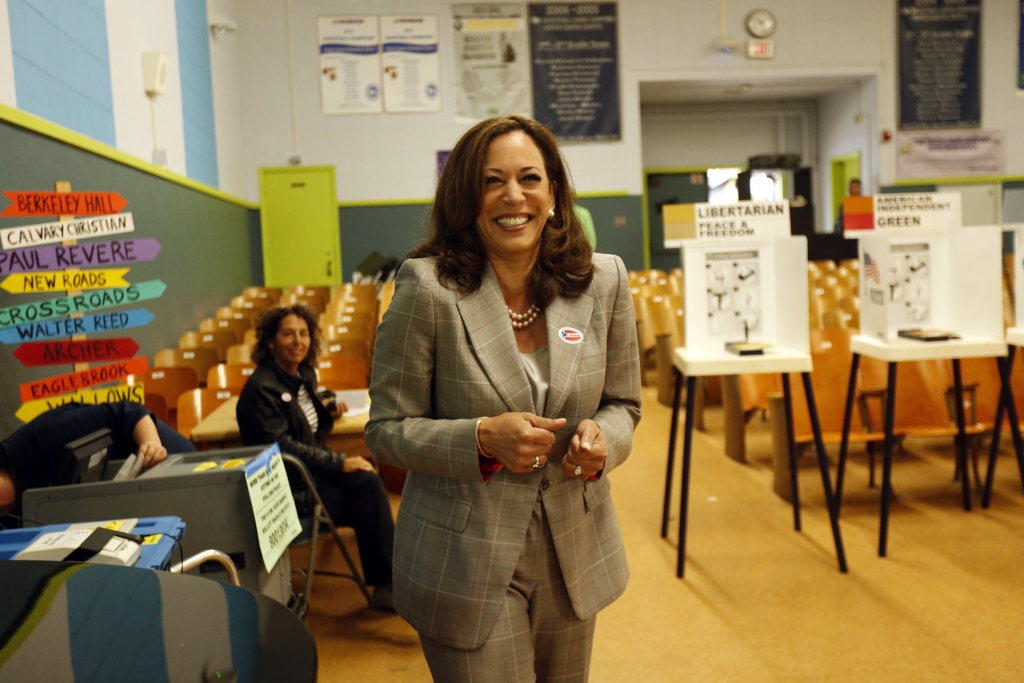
[871, 269]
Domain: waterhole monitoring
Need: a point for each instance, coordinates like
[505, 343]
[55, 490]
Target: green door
[299, 226]
[845, 168]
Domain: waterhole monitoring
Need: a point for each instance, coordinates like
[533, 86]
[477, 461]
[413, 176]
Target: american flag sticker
[871, 269]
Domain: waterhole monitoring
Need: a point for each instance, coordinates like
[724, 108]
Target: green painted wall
[393, 230]
[210, 247]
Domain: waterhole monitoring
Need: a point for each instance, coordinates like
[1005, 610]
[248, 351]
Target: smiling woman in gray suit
[506, 379]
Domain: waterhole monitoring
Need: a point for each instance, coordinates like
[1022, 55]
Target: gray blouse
[538, 371]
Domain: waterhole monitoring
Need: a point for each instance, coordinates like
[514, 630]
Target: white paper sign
[918, 211]
[59, 231]
[951, 154]
[350, 65]
[273, 507]
[734, 294]
[742, 220]
[492, 60]
[411, 63]
[910, 285]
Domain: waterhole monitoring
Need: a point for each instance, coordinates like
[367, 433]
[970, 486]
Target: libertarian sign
[87, 254]
[67, 327]
[58, 353]
[63, 203]
[76, 381]
[60, 231]
[82, 303]
[739, 220]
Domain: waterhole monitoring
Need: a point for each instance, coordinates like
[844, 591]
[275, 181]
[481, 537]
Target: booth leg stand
[890, 414]
[672, 448]
[1006, 403]
[735, 421]
[961, 437]
[826, 482]
[847, 424]
[684, 492]
[794, 482]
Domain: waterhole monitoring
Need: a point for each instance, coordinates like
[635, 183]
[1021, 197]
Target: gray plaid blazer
[442, 361]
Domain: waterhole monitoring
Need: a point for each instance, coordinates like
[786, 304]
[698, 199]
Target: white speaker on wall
[155, 66]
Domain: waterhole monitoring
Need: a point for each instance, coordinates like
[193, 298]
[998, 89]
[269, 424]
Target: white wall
[134, 28]
[1002, 103]
[7, 93]
[727, 135]
[228, 113]
[847, 123]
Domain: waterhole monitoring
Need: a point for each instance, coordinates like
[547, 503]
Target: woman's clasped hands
[522, 441]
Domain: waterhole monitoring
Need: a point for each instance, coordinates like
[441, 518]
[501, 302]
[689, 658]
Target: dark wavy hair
[270, 322]
[564, 264]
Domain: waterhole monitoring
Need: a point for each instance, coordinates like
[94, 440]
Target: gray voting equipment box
[214, 504]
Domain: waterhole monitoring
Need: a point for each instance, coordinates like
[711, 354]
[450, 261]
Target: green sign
[82, 303]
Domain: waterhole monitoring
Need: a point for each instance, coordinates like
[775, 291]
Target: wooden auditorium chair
[354, 366]
[220, 341]
[270, 293]
[231, 376]
[195, 405]
[169, 383]
[239, 353]
[237, 326]
[200, 360]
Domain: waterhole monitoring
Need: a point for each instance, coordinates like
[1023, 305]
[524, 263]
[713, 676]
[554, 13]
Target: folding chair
[311, 528]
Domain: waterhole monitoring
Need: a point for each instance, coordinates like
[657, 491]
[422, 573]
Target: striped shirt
[308, 409]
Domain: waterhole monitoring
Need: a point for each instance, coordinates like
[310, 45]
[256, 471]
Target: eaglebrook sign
[740, 220]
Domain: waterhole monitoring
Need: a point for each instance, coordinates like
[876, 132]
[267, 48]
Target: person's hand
[518, 440]
[587, 451]
[339, 408]
[357, 463]
[151, 453]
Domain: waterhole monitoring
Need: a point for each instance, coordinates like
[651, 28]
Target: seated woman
[279, 403]
[29, 456]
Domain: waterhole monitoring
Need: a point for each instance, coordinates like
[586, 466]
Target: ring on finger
[536, 463]
[578, 471]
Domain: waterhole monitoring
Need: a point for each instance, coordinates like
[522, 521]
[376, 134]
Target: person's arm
[261, 420]
[610, 432]
[147, 442]
[402, 430]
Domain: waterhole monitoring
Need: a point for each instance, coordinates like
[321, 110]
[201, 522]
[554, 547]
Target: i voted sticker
[286, 397]
[570, 335]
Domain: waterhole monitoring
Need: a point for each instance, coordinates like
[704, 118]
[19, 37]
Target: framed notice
[575, 63]
[951, 153]
[411, 65]
[349, 65]
[492, 67]
[940, 64]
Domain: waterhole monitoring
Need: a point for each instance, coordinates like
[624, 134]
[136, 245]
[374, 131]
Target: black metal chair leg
[794, 480]
[684, 492]
[961, 442]
[1006, 403]
[826, 481]
[671, 450]
[845, 444]
[890, 414]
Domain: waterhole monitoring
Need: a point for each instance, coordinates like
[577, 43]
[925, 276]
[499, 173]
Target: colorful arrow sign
[33, 409]
[83, 379]
[61, 280]
[85, 255]
[82, 303]
[66, 327]
[34, 354]
[79, 228]
[63, 203]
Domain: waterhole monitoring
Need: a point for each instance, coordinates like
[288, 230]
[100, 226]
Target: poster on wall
[411, 65]
[940, 64]
[575, 63]
[492, 69]
[951, 154]
[349, 65]
[734, 294]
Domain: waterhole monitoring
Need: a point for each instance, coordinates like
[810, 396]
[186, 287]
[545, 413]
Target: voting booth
[209, 491]
[930, 290]
[746, 313]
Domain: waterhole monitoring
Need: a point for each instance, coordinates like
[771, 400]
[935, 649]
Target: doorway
[845, 167]
[299, 226]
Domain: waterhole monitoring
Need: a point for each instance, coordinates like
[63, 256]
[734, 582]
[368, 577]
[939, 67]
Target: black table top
[62, 622]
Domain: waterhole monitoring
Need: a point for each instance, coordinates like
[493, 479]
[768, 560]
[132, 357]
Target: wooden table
[220, 430]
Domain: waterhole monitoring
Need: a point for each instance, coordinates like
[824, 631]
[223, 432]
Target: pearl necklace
[521, 321]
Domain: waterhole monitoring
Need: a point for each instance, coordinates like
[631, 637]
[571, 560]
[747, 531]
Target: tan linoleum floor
[760, 601]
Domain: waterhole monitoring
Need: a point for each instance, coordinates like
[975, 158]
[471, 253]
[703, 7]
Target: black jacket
[268, 411]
